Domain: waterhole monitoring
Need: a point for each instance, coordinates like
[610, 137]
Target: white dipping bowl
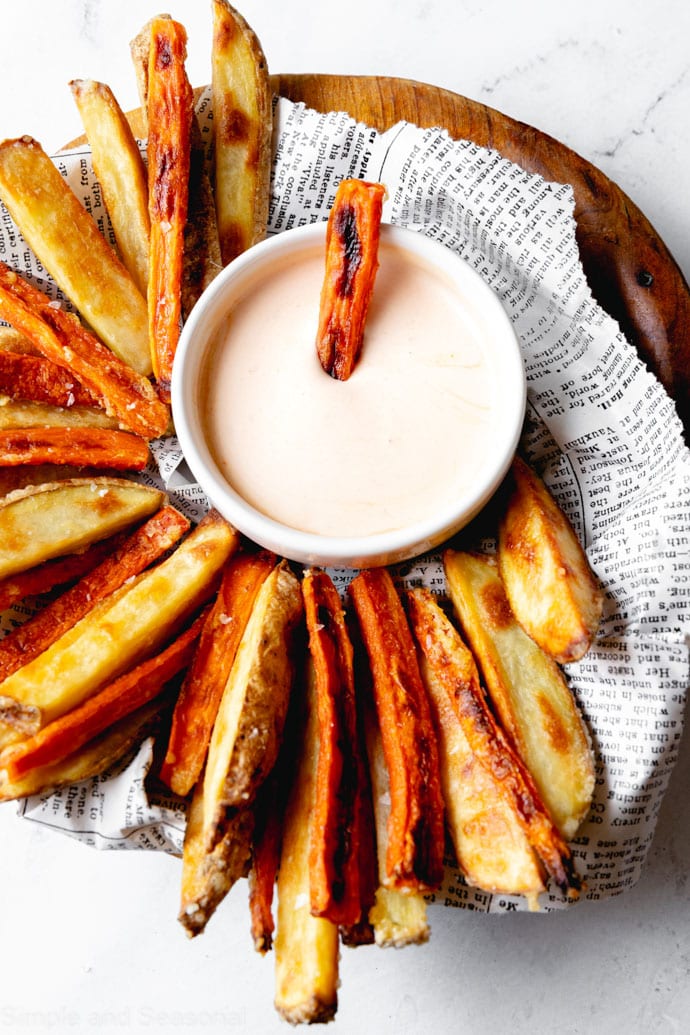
[208, 330]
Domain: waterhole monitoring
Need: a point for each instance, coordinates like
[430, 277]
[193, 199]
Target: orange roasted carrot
[414, 856]
[333, 846]
[352, 243]
[135, 554]
[58, 335]
[35, 378]
[170, 110]
[454, 669]
[118, 699]
[79, 447]
[197, 705]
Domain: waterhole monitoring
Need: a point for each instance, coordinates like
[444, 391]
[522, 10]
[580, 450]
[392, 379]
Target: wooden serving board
[630, 271]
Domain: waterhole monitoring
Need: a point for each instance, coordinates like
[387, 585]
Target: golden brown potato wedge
[551, 588]
[248, 730]
[528, 691]
[49, 520]
[16, 413]
[242, 120]
[121, 172]
[80, 261]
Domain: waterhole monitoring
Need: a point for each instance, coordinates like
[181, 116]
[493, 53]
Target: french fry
[23, 376]
[124, 629]
[132, 690]
[334, 845]
[197, 705]
[247, 733]
[414, 856]
[170, 113]
[135, 553]
[207, 877]
[266, 846]
[550, 586]
[59, 336]
[83, 447]
[121, 173]
[397, 918]
[242, 120]
[95, 758]
[44, 521]
[12, 341]
[496, 818]
[19, 414]
[528, 691]
[202, 261]
[67, 241]
[306, 946]
[352, 244]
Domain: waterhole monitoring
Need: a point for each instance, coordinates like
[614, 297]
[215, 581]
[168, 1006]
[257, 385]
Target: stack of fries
[322, 753]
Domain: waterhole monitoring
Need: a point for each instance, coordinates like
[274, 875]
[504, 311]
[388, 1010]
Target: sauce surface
[404, 435]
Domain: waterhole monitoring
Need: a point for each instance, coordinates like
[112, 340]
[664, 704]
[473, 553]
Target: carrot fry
[414, 855]
[81, 447]
[59, 336]
[352, 241]
[137, 551]
[197, 705]
[447, 657]
[58, 572]
[36, 378]
[135, 688]
[333, 849]
[170, 113]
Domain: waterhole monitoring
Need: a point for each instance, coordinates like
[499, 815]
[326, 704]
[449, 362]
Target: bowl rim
[371, 550]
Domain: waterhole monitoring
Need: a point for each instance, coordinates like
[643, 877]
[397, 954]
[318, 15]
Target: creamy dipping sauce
[386, 449]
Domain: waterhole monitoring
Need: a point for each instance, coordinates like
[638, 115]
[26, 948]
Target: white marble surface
[89, 942]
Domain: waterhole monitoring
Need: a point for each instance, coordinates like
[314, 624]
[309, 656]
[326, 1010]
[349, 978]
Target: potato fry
[59, 336]
[125, 628]
[207, 877]
[12, 341]
[352, 245]
[414, 857]
[496, 818]
[82, 447]
[170, 114]
[532, 699]
[202, 690]
[45, 521]
[80, 261]
[129, 558]
[550, 586]
[249, 725]
[18, 414]
[121, 172]
[242, 120]
[23, 376]
[202, 261]
[306, 946]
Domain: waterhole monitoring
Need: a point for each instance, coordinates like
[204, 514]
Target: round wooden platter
[629, 269]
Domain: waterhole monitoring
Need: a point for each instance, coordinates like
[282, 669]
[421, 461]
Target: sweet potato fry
[23, 376]
[334, 847]
[242, 120]
[132, 556]
[306, 946]
[170, 113]
[248, 730]
[268, 830]
[352, 244]
[493, 807]
[550, 586]
[533, 702]
[207, 877]
[121, 173]
[414, 858]
[197, 705]
[123, 629]
[81, 447]
[59, 336]
[131, 691]
[51, 519]
[65, 238]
